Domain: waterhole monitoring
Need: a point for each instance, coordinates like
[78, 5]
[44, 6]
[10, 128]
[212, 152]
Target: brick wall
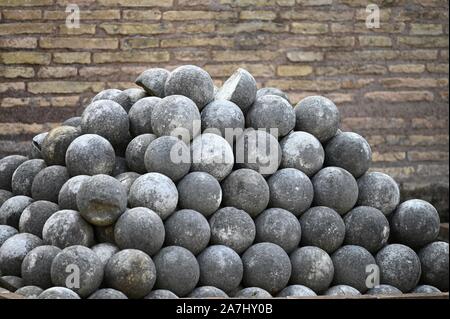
[390, 83]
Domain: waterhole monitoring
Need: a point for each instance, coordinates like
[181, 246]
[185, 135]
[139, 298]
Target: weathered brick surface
[390, 83]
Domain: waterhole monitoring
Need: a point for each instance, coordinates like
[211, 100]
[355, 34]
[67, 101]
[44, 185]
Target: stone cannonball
[67, 198]
[153, 81]
[434, 261]
[207, 292]
[55, 144]
[107, 94]
[161, 294]
[128, 97]
[342, 290]
[127, 179]
[48, 182]
[253, 292]
[12, 209]
[73, 121]
[385, 290]
[425, 289]
[12, 283]
[105, 251]
[23, 176]
[8, 165]
[140, 115]
[58, 293]
[6, 232]
[37, 264]
[135, 152]
[35, 215]
[108, 293]
[29, 292]
[14, 250]
[272, 91]
[296, 291]
[36, 144]
[4, 196]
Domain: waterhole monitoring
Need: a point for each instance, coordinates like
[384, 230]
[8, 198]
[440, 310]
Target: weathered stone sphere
[240, 88]
[207, 292]
[218, 262]
[105, 234]
[154, 191]
[177, 270]
[267, 266]
[128, 97]
[12, 209]
[385, 290]
[90, 154]
[302, 151]
[322, 227]
[153, 81]
[108, 293]
[8, 165]
[212, 154]
[222, 117]
[259, 151]
[317, 115]
[67, 228]
[434, 262]
[36, 144]
[6, 232]
[29, 292]
[140, 115]
[12, 282]
[58, 293]
[101, 200]
[312, 267]
[74, 121]
[105, 251]
[107, 94]
[253, 292]
[55, 144]
[399, 267]
[135, 152]
[271, 112]
[90, 269]
[342, 290]
[161, 294]
[5, 195]
[207, 196]
[366, 227]
[349, 151]
[37, 264]
[290, 189]
[48, 182]
[415, 223]
[67, 198]
[127, 179]
[192, 82]
[232, 227]
[336, 188]
[246, 189]
[378, 190]
[14, 250]
[272, 91]
[140, 228]
[23, 176]
[181, 226]
[35, 215]
[296, 291]
[425, 289]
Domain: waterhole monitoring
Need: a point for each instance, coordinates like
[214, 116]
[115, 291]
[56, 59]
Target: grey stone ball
[366, 227]
[6, 232]
[73, 121]
[342, 290]
[336, 188]
[35, 215]
[425, 289]
[67, 228]
[108, 293]
[177, 270]
[271, 112]
[240, 88]
[212, 154]
[58, 293]
[385, 290]
[140, 228]
[317, 115]
[232, 227]
[192, 82]
[107, 94]
[169, 156]
[120, 166]
[349, 151]
[434, 262]
[105, 234]
[101, 200]
[90, 269]
[67, 198]
[14, 250]
[29, 292]
[278, 226]
[128, 97]
[399, 267]
[37, 264]
[153, 81]
[12, 282]
[8, 165]
[222, 117]
[36, 144]
[378, 190]
[24, 175]
[296, 291]
[253, 292]
[161, 294]
[106, 118]
[218, 262]
[55, 144]
[176, 115]
[140, 115]
[12, 209]
[350, 264]
[5, 195]
[90, 154]
[290, 189]
[154, 191]
[322, 227]
[135, 152]
[272, 91]
[302, 151]
[415, 223]
[207, 196]
[48, 182]
[259, 151]
[267, 266]
[181, 226]
[312, 267]
[105, 251]
[207, 292]
[127, 179]
[246, 189]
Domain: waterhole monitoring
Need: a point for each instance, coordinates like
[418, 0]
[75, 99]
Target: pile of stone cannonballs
[181, 189]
